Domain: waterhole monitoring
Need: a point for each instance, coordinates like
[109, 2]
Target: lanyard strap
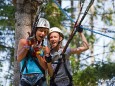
[76, 26]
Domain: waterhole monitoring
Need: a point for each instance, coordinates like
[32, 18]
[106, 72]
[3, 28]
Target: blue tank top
[31, 66]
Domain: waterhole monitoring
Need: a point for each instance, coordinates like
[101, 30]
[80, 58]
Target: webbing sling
[37, 63]
[52, 83]
[68, 73]
[56, 69]
[24, 65]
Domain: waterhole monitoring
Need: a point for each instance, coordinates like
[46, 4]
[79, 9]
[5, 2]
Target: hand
[80, 29]
[31, 40]
[36, 50]
[48, 58]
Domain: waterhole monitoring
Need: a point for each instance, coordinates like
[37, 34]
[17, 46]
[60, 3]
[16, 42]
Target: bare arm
[46, 66]
[42, 60]
[22, 49]
[82, 48]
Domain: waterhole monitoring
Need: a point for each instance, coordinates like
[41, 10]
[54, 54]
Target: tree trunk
[22, 25]
[92, 42]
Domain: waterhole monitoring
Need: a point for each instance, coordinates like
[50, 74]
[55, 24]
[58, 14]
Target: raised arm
[83, 47]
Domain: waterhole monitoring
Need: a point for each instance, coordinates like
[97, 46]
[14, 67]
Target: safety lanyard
[41, 5]
[76, 26]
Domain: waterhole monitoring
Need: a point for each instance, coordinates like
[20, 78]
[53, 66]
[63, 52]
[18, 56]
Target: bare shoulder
[23, 41]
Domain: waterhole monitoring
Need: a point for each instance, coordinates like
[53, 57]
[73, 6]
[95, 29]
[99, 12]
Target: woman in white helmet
[61, 77]
[31, 53]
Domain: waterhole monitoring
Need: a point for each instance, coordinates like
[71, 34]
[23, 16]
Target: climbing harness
[36, 79]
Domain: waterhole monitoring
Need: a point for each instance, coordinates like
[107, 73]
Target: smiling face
[41, 33]
[54, 39]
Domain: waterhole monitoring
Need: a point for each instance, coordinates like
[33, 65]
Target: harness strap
[36, 62]
[68, 73]
[52, 83]
[24, 66]
[57, 68]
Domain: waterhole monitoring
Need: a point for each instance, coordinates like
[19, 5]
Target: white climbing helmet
[55, 29]
[43, 23]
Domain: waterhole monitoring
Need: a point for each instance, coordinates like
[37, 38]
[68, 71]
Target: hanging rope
[41, 5]
[99, 33]
[63, 10]
[81, 7]
[76, 26]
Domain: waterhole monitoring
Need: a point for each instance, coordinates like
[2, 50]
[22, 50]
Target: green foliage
[90, 75]
[6, 14]
[7, 22]
[107, 18]
[53, 13]
[75, 63]
[86, 77]
[112, 47]
[106, 70]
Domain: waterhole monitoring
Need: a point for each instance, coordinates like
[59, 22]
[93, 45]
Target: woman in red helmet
[63, 77]
[31, 53]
